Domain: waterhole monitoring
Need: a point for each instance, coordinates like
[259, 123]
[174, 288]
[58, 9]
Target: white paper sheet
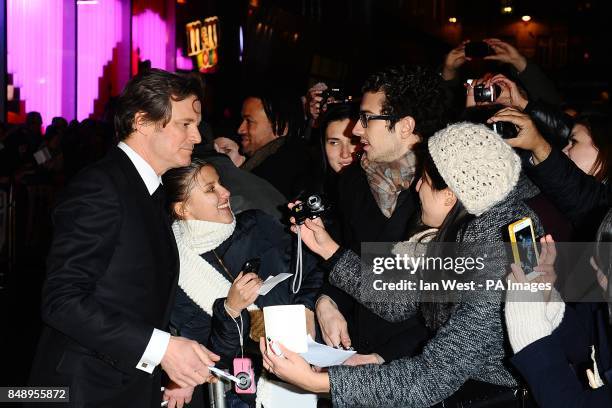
[286, 324]
[322, 355]
[283, 395]
[272, 281]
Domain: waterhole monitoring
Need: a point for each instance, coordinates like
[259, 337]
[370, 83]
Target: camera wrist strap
[240, 328]
[297, 277]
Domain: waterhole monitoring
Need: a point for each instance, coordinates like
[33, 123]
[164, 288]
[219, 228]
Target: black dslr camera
[486, 93]
[312, 207]
[333, 96]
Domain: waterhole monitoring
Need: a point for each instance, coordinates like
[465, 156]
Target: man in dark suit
[113, 265]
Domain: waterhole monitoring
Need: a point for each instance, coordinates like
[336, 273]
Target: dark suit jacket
[111, 279]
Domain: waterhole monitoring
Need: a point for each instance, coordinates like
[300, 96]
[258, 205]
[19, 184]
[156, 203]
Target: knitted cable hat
[476, 164]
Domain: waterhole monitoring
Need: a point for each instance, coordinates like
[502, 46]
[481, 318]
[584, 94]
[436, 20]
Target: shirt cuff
[154, 353]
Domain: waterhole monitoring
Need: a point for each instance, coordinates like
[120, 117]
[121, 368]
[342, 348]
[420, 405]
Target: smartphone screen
[524, 245]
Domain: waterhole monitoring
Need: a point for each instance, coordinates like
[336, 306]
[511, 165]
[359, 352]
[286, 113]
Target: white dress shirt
[158, 343]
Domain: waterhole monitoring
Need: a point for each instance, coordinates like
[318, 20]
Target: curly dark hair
[415, 91]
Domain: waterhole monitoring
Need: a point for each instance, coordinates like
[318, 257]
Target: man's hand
[177, 396]
[186, 362]
[506, 53]
[528, 138]
[333, 325]
[242, 293]
[453, 61]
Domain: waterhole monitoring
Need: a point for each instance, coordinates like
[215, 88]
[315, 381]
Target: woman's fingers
[549, 251]
[518, 273]
[552, 247]
[315, 225]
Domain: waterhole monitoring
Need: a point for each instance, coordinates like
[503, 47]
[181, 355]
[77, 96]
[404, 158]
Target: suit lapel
[157, 224]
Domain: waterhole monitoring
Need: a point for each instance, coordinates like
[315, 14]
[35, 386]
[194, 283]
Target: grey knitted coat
[468, 345]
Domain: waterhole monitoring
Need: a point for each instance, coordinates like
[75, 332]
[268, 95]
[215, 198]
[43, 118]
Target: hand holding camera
[528, 137]
[453, 61]
[478, 86]
[312, 229]
[313, 100]
[312, 207]
[333, 96]
[506, 53]
[509, 94]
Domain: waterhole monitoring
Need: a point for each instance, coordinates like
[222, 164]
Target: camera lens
[314, 202]
[482, 93]
[245, 381]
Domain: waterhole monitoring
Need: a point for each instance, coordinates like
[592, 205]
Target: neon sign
[203, 42]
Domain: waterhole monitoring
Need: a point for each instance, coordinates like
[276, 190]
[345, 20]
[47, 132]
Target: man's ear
[140, 122]
[406, 126]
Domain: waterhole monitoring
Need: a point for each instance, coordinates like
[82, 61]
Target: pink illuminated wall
[69, 57]
[149, 37]
[103, 50]
[184, 63]
[39, 45]
[153, 35]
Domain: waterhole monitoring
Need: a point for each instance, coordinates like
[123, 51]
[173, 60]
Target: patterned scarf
[263, 153]
[388, 180]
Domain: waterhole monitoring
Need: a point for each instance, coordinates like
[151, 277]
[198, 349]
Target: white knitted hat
[476, 164]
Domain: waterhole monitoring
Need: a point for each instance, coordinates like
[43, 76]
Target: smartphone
[477, 49]
[251, 266]
[524, 247]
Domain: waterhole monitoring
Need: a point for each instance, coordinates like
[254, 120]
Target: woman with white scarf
[215, 297]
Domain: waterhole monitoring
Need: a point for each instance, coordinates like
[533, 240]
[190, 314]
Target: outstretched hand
[292, 367]
[528, 137]
[510, 95]
[453, 61]
[314, 235]
[506, 53]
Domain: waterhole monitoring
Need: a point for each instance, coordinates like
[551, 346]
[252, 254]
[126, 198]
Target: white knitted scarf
[199, 279]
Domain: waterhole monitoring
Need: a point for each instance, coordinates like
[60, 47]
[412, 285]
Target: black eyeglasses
[364, 118]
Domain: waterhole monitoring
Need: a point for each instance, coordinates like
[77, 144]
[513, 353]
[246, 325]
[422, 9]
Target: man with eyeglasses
[400, 107]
